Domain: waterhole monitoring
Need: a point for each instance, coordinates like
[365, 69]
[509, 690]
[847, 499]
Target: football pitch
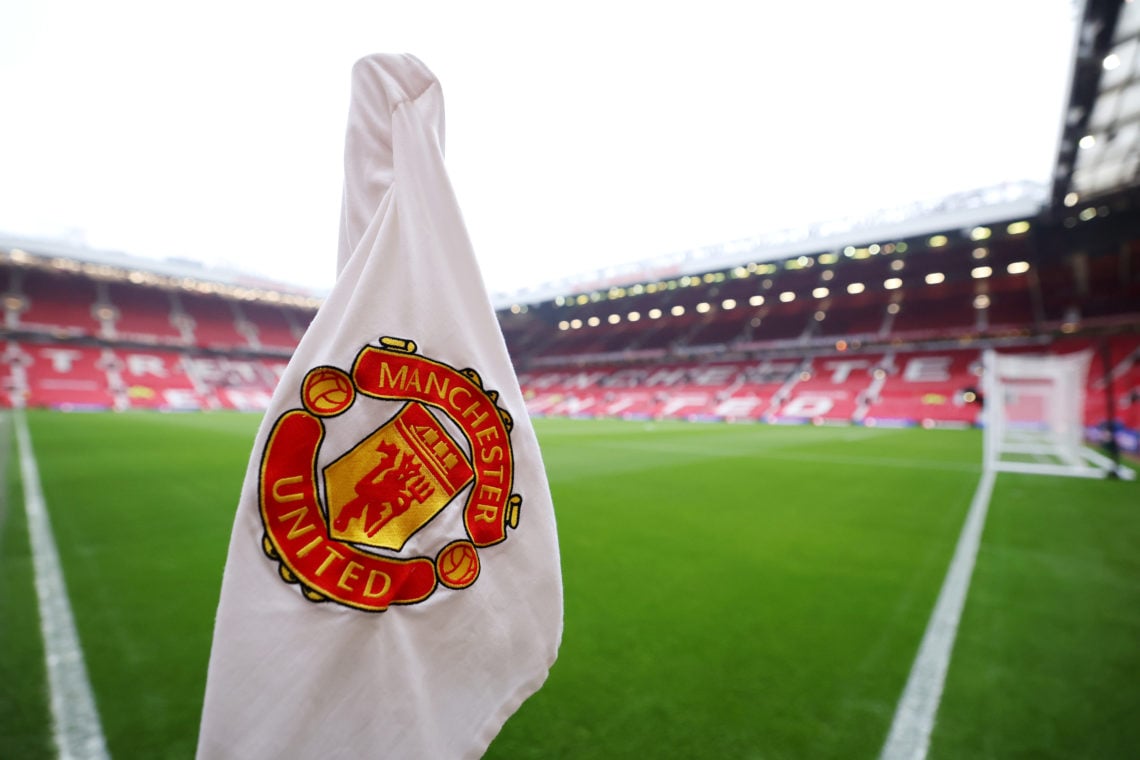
[731, 591]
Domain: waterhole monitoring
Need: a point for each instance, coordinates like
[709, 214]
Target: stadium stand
[876, 321]
[218, 323]
[91, 331]
[274, 327]
[929, 388]
[888, 334]
[882, 334]
[63, 376]
[153, 380]
[73, 376]
[147, 316]
[53, 302]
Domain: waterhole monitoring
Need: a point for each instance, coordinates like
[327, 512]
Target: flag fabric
[393, 586]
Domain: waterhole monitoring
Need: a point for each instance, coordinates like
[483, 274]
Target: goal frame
[1053, 443]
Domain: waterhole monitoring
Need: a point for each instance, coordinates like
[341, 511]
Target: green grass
[1050, 637]
[731, 590]
[740, 591]
[23, 694]
[141, 507]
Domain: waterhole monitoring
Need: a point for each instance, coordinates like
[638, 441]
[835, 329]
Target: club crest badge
[341, 530]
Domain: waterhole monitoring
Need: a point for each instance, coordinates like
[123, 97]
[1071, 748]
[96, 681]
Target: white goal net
[1034, 409]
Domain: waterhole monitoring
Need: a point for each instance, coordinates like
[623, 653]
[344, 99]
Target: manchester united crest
[341, 531]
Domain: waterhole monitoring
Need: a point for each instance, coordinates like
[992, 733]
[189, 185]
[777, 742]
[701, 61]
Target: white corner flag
[393, 586]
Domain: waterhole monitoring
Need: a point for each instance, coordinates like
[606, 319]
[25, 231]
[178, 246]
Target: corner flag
[392, 587]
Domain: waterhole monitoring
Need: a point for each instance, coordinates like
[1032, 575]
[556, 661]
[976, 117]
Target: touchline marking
[76, 729]
[909, 738]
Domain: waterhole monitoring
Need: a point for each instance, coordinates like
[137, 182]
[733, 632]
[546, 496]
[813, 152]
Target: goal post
[1034, 416]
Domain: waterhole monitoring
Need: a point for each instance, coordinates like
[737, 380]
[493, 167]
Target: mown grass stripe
[909, 737]
[5, 453]
[77, 731]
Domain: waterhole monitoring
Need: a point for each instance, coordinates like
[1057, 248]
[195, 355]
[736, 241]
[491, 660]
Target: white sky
[578, 134]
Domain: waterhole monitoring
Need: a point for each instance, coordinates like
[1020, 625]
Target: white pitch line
[76, 729]
[909, 738]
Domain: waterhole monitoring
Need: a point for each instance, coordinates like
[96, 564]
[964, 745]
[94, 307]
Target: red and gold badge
[449, 441]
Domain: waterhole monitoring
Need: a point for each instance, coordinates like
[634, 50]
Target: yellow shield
[395, 481]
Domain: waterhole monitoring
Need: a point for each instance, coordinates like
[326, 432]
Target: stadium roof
[1099, 151]
[1098, 155]
[166, 273]
[1009, 201]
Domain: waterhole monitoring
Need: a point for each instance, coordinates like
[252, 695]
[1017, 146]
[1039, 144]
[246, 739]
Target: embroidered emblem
[448, 442]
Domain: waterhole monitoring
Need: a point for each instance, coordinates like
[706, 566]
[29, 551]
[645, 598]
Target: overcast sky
[578, 134]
